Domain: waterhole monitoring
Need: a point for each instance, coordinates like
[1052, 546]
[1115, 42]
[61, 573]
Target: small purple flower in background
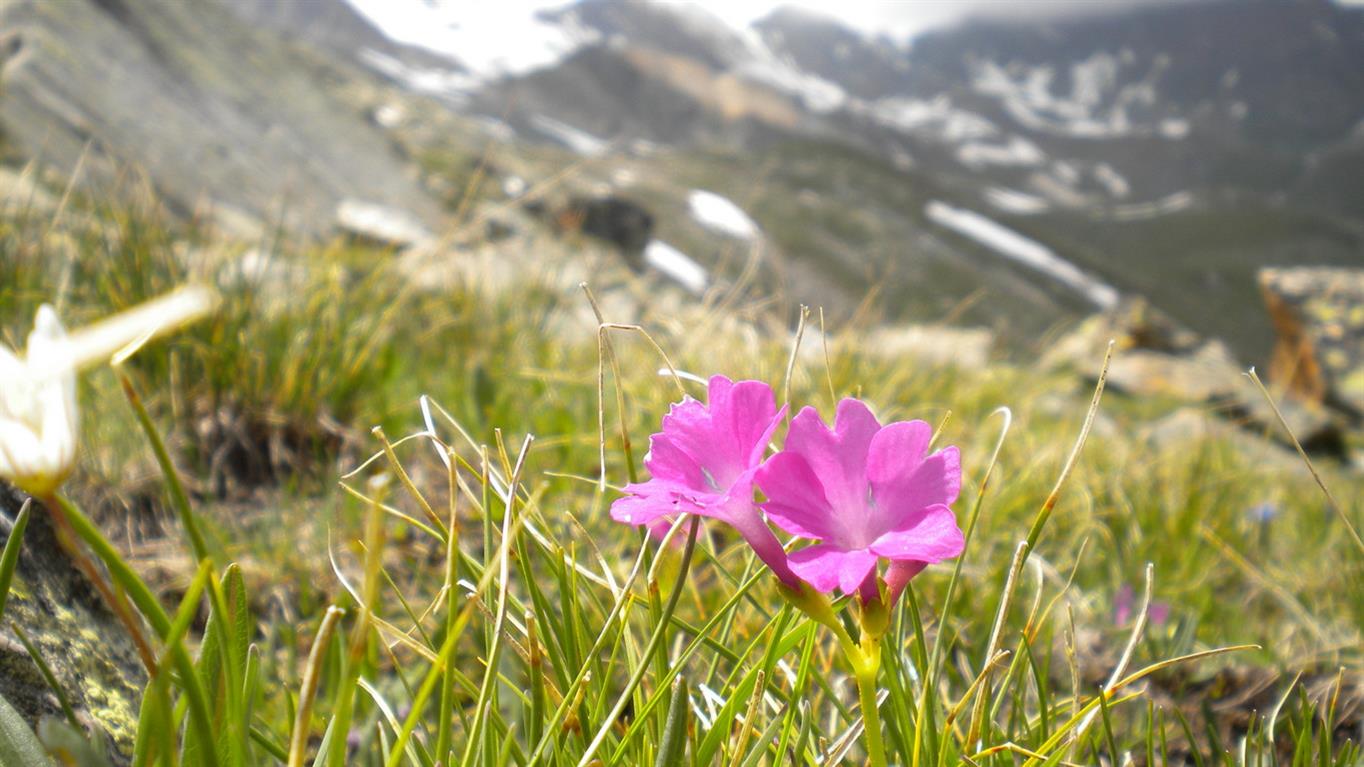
[1263, 513]
[1124, 604]
[703, 462]
[865, 492]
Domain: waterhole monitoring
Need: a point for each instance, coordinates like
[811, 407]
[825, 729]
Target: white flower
[39, 421]
[38, 417]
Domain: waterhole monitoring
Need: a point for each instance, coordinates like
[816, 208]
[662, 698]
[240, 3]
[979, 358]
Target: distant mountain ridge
[1165, 150]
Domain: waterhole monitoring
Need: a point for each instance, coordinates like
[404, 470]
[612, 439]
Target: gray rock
[209, 107]
[1318, 315]
[621, 222]
[1155, 358]
[87, 648]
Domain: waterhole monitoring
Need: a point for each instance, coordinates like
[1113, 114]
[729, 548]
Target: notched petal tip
[47, 325]
[932, 537]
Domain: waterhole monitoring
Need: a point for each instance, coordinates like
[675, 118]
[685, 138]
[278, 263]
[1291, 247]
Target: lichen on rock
[88, 650]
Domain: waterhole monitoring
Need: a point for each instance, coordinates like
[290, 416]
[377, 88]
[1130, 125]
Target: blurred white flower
[39, 420]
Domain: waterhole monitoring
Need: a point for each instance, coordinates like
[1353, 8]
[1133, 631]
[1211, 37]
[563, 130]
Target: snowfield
[490, 38]
[449, 83]
[1109, 97]
[1018, 152]
[934, 118]
[578, 140]
[1016, 202]
[676, 265]
[1021, 249]
[721, 215]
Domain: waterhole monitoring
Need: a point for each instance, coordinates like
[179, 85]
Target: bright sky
[899, 19]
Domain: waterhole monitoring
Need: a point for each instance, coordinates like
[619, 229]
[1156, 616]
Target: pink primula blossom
[866, 492]
[703, 462]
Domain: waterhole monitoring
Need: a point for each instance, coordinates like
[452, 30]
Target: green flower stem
[866, 662]
[865, 659]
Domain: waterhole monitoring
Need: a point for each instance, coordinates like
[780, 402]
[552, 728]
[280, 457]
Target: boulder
[88, 650]
[1155, 357]
[1318, 315]
[623, 223]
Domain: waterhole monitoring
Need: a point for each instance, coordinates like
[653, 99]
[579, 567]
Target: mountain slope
[212, 109]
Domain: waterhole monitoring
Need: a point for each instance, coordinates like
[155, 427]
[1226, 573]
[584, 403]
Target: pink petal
[897, 450]
[709, 446]
[688, 438]
[931, 536]
[659, 528]
[795, 497]
[825, 566]
[745, 415]
[667, 461]
[739, 511]
[646, 502]
[903, 488]
[838, 457]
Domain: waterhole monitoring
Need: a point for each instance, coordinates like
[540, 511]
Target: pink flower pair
[864, 491]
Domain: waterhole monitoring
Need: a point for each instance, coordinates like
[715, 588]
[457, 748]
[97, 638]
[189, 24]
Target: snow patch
[1139, 211]
[817, 94]
[578, 140]
[1017, 152]
[1113, 181]
[676, 265]
[1023, 250]
[936, 118]
[1174, 128]
[720, 214]
[450, 83]
[1100, 104]
[1016, 202]
[490, 38]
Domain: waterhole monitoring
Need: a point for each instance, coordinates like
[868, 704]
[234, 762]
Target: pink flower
[703, 462]
[1125, 600]
[865, 492]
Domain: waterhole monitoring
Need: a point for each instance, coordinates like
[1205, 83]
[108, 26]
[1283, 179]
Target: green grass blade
[19, 747]
[9, 558]
[673, 746]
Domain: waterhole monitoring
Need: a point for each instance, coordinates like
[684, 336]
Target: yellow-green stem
[866, 664]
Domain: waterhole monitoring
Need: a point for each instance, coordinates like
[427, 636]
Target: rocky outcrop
[86, 647]
[1318, 315]
[1155, 357]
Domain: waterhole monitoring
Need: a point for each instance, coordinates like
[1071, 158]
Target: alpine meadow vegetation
[430, 527]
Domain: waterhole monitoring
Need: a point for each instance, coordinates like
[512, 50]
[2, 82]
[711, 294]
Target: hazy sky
[904, 18]
[898, 18]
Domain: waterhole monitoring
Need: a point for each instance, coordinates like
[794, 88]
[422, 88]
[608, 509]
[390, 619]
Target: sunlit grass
[486, 611]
